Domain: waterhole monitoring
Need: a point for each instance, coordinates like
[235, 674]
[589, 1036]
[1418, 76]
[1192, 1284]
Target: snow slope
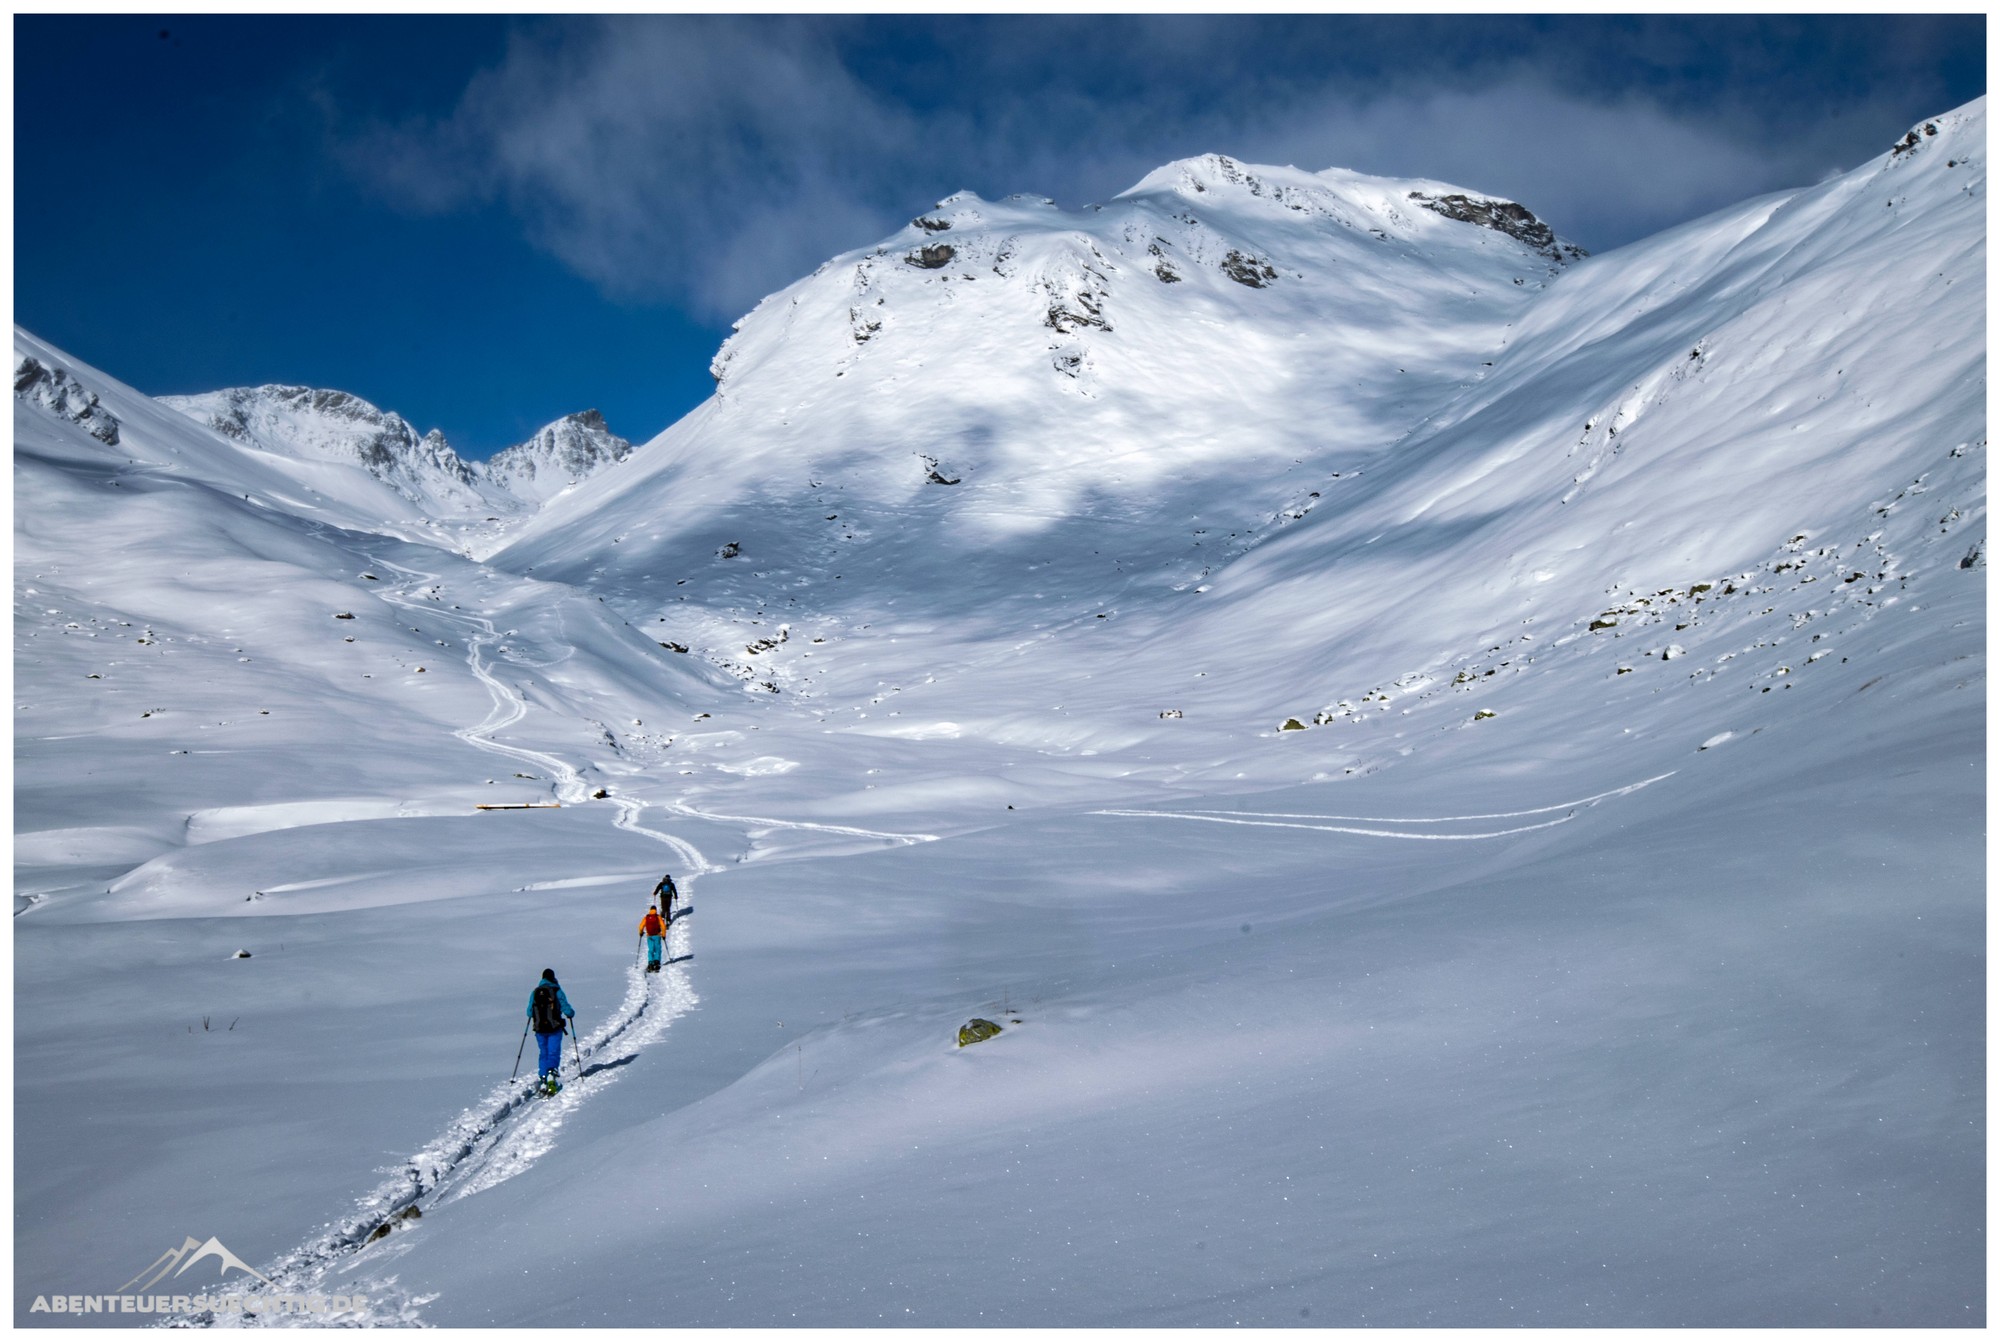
[1603, 945]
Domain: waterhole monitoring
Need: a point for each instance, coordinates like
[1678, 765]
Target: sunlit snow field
[1603, 943]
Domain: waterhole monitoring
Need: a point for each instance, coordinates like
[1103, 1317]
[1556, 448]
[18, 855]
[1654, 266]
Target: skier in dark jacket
[663, 896]
[549, 1012]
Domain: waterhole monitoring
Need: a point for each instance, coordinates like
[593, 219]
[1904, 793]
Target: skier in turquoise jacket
[549, 1012]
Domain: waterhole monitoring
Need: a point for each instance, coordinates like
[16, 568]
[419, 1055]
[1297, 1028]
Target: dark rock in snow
[934, 257]
[61, 395]
[1502, 216]
[1250, 270]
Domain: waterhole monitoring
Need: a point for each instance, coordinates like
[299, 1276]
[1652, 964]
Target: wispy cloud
[704, 160]
[709, 161]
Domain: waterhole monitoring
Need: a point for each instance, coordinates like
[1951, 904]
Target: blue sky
[486, 223]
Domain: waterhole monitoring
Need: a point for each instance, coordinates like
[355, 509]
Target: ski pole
[575, 1046]
[517, 1054]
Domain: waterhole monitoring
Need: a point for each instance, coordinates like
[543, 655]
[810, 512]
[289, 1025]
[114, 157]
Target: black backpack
[548, 1009]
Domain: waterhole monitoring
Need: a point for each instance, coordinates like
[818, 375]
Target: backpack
[653, 927]
[548, 1009]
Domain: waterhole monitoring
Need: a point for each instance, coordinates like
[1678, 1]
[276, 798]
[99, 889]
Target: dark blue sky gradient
[370, 202]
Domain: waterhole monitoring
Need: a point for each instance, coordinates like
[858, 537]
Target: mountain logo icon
[192, 1251]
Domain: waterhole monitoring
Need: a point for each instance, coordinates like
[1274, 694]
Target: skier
[652, 928]
[663, 896]
[549, 1010]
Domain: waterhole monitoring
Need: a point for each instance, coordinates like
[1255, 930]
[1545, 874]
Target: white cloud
[709, 161]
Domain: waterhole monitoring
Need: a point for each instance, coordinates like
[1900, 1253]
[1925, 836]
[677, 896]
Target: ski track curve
[510, 1129]
[509, 707]
[682, 808]
[1295, 820]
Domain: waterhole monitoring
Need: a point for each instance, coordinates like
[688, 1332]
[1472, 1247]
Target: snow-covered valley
[1457, 765]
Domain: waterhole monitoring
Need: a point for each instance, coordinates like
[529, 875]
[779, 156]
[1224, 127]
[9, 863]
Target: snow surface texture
[1457, 766]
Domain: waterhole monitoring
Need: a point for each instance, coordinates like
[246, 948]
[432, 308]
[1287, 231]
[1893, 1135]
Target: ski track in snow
[1290, 820]
[682, 808]
[1342, 829]
[509, 707]
[514, 1125]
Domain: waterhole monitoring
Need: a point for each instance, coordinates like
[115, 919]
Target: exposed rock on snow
[1250, 270]
[1502, 216]
[55, 391]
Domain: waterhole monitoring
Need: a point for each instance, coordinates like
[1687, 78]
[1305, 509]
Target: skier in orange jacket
[654, 929]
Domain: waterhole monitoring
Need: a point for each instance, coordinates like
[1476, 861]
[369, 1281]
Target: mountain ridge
[316, 424]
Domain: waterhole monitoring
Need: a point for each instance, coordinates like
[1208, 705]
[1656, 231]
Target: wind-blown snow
[1458, 767]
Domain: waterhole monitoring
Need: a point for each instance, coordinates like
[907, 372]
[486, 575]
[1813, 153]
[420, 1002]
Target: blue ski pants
[652, 950]
[551, 1052]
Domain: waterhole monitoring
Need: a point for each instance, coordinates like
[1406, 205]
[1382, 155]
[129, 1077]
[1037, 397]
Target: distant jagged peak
[316, 422]
[559, 455]
[234, 411]
[320, 424]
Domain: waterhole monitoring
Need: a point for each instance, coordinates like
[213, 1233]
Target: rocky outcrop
[54, 390]
[1502, 216]
[1245, 269]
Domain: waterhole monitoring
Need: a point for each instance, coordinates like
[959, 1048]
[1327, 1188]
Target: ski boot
[550, 1085]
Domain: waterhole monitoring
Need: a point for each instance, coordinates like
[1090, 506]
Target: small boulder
[976, 1031]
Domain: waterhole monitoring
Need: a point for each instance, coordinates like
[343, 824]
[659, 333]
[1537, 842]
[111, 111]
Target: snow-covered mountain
[403, 474]
[1456, 765]
[560, 455]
